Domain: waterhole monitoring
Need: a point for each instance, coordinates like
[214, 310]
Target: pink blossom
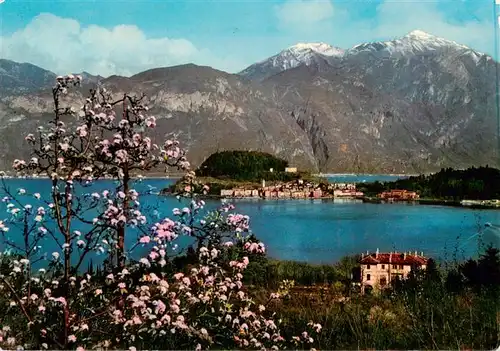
[145, 239]
[82, 131]
[153, 255]
[160, 307]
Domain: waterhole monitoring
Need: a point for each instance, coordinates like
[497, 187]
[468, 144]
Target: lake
[323, 231]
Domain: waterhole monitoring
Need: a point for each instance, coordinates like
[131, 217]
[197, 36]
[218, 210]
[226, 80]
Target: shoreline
[472, 204]
[421, 202]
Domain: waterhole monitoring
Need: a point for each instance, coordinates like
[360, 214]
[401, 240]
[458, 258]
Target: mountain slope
[23, 77]
[206, 109]
[419, 102]
[456, 80]
[352, 127]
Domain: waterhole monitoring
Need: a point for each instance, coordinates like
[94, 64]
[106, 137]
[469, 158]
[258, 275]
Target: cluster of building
[345, 190]
[378, 270]
[294, 190]
[398, 195]
[486, 203]
[298, 189]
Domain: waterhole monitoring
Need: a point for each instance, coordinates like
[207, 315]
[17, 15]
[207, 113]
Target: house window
[383, 266]
[367, 266]
[383, 281]
[394, 266]
[401, 267]
[368, 277]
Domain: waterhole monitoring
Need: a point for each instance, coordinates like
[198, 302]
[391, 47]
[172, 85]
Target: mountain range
[411, 105]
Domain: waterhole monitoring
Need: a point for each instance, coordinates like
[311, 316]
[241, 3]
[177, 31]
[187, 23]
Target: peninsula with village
[257, 175]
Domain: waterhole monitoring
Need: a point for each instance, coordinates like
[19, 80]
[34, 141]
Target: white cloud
[302, 14]
[62, 45]
[398, 18]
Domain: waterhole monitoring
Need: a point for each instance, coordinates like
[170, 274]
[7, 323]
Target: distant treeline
[481, 183]
[244, 166]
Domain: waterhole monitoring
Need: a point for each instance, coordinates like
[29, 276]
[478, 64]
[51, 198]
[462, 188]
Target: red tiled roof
[369, 259]
[394, 258]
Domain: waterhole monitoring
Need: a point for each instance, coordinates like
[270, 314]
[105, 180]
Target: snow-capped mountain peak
[299, 54]
[420, 34]
[320, 48]
[415, 42]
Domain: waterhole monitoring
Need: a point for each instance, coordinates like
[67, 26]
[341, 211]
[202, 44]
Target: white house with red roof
[378, 270]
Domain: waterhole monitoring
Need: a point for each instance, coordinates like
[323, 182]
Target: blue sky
[125, 37]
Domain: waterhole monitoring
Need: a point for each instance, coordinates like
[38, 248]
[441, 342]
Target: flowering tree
[130, 304]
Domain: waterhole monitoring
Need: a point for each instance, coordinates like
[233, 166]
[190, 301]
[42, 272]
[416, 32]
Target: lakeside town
[305, 190]
[323, 189]
[299, 189]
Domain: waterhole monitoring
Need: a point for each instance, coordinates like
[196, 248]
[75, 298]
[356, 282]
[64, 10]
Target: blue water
[322, 231]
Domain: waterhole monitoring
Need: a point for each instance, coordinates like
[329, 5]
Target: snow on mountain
[303, 53]
[305, 50]
[294, 56]
[414, 43]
